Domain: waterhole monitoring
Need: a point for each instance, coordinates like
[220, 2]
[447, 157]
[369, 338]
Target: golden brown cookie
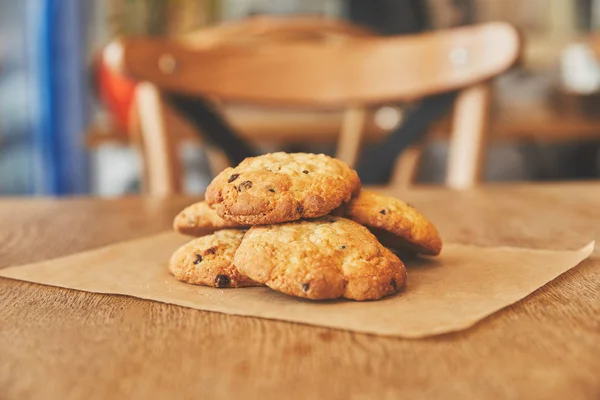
[396, 224]
[324, 258]
[281, 187]
[208, 260]
[199, 220]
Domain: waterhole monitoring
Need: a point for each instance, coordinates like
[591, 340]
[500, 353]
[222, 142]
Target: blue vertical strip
[69, 94]
[39, 27]
[61, 89]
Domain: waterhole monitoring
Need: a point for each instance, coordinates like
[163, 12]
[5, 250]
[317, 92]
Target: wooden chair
[352, 72]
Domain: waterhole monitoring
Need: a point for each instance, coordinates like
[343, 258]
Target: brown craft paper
[444, 294]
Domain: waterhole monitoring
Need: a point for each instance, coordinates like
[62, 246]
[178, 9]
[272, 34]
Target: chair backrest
[357, 70]
[354, 70]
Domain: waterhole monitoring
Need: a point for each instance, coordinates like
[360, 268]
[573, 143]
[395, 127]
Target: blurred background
[65, 120]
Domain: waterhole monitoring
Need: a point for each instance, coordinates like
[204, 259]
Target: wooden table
[64, 344]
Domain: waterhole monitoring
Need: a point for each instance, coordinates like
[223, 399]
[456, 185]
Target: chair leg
[137, 144]
[163, 166]
[135, 134]
[351, 135]
[467, 143]
[406, 167]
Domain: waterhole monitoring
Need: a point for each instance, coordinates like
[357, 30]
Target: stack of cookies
[300, 224]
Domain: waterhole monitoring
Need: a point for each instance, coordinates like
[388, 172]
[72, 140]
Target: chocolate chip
[305, 172]
[393, 283]
[272, 190]
[233, 177]
[198, 259]
[305, 287]
[300, 209]
[244, 186]
[342, 247]
[212, 250]
[222, 281]
[382, 212]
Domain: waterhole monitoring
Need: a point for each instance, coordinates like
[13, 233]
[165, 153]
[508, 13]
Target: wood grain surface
[64, 344]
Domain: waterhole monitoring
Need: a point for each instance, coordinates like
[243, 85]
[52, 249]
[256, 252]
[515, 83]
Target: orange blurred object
[116, 92]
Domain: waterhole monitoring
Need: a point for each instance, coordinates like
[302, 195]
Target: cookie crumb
[233, 178]
[222, 281]
[244, 186]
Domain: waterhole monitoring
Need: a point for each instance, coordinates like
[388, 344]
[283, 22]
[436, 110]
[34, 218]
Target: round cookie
[396, 224]
[281, 187]
[199, 220]
[208, 260]
[325, 258]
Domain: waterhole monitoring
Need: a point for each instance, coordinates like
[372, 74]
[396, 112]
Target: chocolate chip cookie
[208, 260]
[396, 224]
[281, 187]
[324, 258]
[199, 220]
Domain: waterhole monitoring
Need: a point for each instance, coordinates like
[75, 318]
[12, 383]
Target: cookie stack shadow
[300, 224]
